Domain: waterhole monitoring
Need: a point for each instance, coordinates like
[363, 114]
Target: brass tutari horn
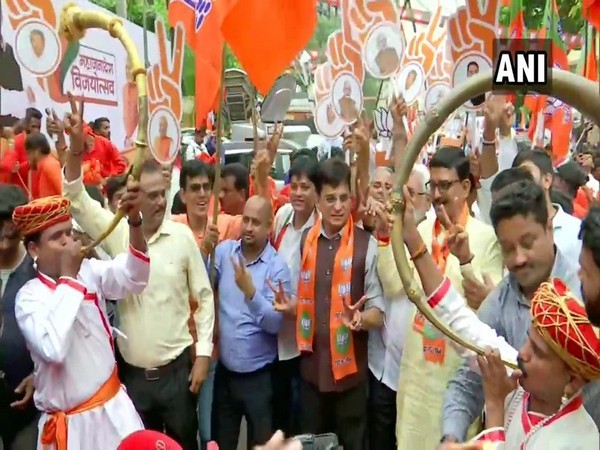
[570, 88]
[73, 24]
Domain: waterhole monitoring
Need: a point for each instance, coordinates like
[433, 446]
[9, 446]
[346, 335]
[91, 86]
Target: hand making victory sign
[473, 28]
[73, 125]
[164, 77]
[323, 81]
[344, 58]
[20, 11]
[363, 16]
[283, 302]
[243, 279]
[423, 47]
[457, 237]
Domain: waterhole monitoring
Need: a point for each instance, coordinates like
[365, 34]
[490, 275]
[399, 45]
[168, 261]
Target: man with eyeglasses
[18, 415]
[428, 359]
[339, 299]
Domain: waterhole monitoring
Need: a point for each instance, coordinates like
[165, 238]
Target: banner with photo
[38, 67]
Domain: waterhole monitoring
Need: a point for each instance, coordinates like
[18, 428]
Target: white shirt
[566, 234]
[289, 248]
[385, 345]
[67, 332]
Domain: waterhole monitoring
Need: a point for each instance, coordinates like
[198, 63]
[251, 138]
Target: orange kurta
[49, 177]
[162, 147]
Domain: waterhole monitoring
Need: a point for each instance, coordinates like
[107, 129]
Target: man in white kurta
[562, 322]
[63, 319]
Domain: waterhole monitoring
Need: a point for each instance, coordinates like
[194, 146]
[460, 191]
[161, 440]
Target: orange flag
[202, 20]
[267, 35]
[591, 12]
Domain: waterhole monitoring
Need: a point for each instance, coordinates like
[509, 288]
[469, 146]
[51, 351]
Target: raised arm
[88, 213]
[126, 274]
[261, 304]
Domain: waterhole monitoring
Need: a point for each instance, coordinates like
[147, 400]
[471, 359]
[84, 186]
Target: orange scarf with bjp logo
[343, 361]
[439, 246]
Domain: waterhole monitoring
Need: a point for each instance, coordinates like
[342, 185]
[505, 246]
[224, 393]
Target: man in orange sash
[337, 275]
[62, 314]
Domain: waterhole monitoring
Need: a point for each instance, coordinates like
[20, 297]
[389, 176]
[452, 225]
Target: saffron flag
[551, 113]
[591, 12]
[267, 35]
[588, 64]
[202, 20]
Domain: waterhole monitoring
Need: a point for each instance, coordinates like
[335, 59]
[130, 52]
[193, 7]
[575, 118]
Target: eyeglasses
[443, 186]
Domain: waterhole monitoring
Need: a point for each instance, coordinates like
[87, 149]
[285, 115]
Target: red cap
[149, 440]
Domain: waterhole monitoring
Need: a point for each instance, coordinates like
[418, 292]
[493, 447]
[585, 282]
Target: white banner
[39, 68]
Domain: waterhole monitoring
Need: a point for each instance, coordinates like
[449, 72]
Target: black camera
[327, 441]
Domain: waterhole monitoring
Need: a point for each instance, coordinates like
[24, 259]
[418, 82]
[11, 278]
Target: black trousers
[20, 432]
[342, 413]
[163, 399]
[286, 396]
[382, 415]
[238, 395]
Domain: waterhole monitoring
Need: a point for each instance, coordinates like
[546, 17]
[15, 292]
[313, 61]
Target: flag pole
[145, 33]
[218, 156]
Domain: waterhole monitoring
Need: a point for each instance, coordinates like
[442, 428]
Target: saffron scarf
[439, 245]
[343, 361]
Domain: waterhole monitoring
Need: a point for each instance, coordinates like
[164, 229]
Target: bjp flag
[202, 21]
[267, 35]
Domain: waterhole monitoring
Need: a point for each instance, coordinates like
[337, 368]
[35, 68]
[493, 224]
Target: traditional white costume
[70, 339]
[562, 322]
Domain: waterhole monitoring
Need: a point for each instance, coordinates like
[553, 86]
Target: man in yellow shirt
[155, 358]
[428, 358]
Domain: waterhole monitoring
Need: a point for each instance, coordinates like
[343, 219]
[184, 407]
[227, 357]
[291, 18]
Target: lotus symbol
[384, 123]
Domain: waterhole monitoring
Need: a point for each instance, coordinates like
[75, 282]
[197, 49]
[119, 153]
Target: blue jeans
[205, 400]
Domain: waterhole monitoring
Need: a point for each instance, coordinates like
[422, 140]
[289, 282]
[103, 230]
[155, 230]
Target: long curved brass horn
[571, 89]
[73, 24]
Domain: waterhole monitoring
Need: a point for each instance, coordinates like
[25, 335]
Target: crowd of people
[287, 308]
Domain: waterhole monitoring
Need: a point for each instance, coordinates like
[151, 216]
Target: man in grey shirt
[520, 218]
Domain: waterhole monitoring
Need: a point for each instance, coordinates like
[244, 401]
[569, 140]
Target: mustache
[521, 365]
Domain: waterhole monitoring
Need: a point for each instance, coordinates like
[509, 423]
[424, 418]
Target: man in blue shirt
[250, 275]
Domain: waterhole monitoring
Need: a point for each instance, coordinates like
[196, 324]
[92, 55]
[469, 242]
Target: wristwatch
[135, 224]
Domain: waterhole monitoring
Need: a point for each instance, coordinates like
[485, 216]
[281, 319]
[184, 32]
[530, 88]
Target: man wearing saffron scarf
[428, 358]
[560, 354]
[62, 314]
[339, 300]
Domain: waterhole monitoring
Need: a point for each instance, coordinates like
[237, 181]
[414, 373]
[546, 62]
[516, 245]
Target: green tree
[568, 10]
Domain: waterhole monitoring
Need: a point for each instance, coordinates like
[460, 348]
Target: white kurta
[69, 336]
[571, 428]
